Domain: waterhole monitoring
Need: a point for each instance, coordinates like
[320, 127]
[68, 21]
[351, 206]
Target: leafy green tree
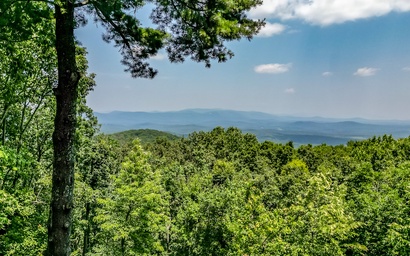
[277, 155]
[99, 158]
[204, 209]
[26, 87]
[144, 135]
[397, 239]
[299, 214]
[134, 215]
[23, 217]
[381, 203]
[319, 220]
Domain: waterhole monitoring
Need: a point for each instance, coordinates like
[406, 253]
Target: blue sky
[340, 58]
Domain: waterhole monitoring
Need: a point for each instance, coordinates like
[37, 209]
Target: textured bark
[64, 133]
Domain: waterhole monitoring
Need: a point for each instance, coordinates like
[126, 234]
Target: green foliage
[26, 82]
[98, 158]
[133, 217]
[381, 203]
[144, 135]
[200, 28]
[23, 214]
[27, 106]
[275, 203]
[216, 193]
[20, 22]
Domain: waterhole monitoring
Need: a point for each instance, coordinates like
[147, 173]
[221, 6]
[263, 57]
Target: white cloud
[327, 73]
[271, 29]
[159, 56]
[271, 8]
[407, 69]
[274, 68]
[326, 12]
[366, 71]
[290, 91]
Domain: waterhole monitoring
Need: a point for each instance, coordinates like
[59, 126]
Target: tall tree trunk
[64, 132]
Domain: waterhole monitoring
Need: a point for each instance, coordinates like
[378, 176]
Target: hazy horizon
[253, 111]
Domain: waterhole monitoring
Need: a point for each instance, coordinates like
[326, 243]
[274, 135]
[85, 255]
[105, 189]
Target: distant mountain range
[281, 129]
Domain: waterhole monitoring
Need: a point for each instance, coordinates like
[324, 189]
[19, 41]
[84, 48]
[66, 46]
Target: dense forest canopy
[214, 193]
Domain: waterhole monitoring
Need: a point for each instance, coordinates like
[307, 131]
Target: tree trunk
[86, 243]
[64, 133]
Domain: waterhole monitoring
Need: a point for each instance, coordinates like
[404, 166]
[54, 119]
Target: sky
[328, 58]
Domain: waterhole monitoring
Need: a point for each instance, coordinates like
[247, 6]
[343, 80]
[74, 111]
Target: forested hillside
[144, 135]
[214, 193]
[217, 192]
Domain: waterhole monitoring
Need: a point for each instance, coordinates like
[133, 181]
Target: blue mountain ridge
[281, 129]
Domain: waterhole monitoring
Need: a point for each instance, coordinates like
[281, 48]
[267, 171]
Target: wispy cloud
[327, 73]
[406, 69]
[159, 56]
[290, 91]
[271, 29]
[366, 71]
[325, 12]
[273, 68]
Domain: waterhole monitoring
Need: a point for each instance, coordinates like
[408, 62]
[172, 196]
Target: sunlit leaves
[22, 21]
[22, 216]
[133, 217]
